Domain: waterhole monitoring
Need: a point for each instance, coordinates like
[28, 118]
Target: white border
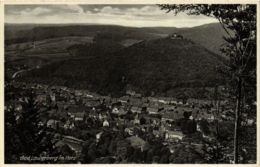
[3, 2]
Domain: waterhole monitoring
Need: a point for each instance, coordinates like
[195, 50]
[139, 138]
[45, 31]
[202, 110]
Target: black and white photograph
[130, 83]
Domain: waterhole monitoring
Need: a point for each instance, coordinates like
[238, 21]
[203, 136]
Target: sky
[124, 15]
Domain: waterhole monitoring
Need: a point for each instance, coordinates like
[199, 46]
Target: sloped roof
[172, 115]
[79, 114]
[177, 133]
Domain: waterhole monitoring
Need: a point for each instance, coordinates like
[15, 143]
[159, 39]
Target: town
[77, 117]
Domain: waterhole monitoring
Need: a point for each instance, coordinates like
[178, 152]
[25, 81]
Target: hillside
[166, 64]
[209, 35]
[45, 32]
[163, 66]
[95, 49]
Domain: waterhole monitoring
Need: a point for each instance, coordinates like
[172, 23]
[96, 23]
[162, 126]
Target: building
[79, 116]
[152, 110]
[98, 136]
[136, 109]
[136, 121]
[130, 92]
[105, 123]
[52, 123]
[175, 36]
[115, 110]
[173, 135]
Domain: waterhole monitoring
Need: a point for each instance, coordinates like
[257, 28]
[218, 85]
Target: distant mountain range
[209, 35]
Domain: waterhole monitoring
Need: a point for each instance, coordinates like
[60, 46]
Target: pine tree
[23, 136]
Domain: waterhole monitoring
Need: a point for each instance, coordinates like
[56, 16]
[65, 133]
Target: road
[20, 71]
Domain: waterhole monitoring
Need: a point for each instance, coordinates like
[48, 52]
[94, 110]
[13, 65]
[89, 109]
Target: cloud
[110, 10]
[71, 8]
[134, 15]
[35, 12]
[143, 11]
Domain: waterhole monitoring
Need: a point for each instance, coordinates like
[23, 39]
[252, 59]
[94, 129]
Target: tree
[142, 121]
[239, 22]
[27, 138]
[204, 125]
[88, 151]
[149, 156]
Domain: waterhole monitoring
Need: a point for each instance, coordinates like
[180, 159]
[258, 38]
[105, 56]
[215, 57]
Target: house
[115, 110]
[182, 109]
[122, 111]
[105, 123]
[116, 104]
[53, 97]
[52, 123]
[168, 107]
[68, 125]
[119, 111]
[98, 136]
[205, 115]
[173, 135]
[152, 99]
[174, 101]
[157, 133]
[171, 116]
[163, 101]
[124, 99]
[136, 121]
[130, 92]
[92, 103]
[136, 109]
[89, 96]
[101, 116]
[129, 131]
[152, 110]
[250, 122]
[63, 88]
[79, 116]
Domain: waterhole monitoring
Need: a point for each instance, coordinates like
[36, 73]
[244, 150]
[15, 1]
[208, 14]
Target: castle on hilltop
[175, 36]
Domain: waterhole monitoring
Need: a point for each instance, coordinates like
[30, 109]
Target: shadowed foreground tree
[239, 22]
[23, 135]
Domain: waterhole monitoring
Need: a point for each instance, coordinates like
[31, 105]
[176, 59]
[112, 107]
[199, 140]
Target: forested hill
[164, 66]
